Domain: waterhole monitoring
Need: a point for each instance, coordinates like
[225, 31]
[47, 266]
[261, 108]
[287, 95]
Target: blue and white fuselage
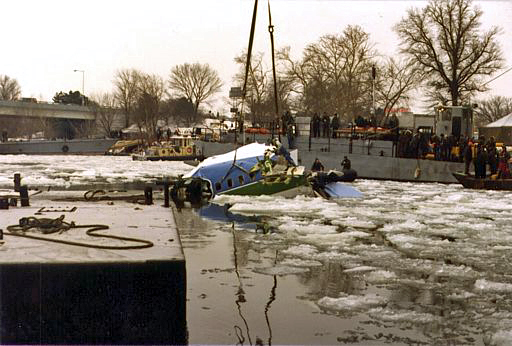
[234, 169]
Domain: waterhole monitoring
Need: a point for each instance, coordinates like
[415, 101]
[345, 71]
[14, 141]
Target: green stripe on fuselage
[268, 186]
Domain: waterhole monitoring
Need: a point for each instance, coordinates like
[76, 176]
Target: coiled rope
[50, 226]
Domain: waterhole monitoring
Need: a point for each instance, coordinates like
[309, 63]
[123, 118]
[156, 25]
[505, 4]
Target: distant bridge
[19, 118]
[16, 109]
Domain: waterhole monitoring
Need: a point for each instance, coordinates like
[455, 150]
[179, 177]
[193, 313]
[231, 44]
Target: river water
[406, 264]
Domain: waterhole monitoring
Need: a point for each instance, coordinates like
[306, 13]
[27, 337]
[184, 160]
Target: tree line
[144, 98]
[443, 52]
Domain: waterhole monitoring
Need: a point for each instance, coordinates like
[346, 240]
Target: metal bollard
[17, 182]
[148, 195]
[166, 194]
[24, 201]
[4, 203]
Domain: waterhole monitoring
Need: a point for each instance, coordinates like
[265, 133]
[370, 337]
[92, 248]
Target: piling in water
[166, 194]
[148, 195]
[24, 200]
[4, 203]
[17, 182]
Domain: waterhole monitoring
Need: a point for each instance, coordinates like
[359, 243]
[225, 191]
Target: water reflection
[267, 308]
[240, 298]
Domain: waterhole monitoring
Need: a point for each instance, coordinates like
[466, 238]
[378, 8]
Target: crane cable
[247, 66]
[498, 76]
[271, 31]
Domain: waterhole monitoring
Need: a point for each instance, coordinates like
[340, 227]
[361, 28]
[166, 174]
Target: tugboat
[177, 148]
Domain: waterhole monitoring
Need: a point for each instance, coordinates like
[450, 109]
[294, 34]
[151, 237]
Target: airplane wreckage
[258, 169]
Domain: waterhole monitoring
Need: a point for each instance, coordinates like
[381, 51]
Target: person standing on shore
[335, 125]
[326, 122]
[290, 135]
[316, 125]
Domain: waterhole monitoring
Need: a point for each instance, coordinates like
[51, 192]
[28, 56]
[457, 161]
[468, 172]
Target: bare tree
[297, 75]
[256, 83]
[334, 73]
[125, 92]
[444, 41]
[9, 88]
[147, 109]
[196, 82]
[492, 109]
[46, 125]
[181, 111]
[104, 107]
[395, 80]
[82, 128]
[359, 56]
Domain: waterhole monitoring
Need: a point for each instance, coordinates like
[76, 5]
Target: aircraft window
[241, 179]
[217, 186]
[230, 183]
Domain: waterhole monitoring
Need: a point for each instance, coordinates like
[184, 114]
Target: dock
[103, 271]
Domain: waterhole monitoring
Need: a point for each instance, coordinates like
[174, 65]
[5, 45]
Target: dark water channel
[234, 298]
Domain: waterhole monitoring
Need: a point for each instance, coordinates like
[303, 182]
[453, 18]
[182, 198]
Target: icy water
[407, 264]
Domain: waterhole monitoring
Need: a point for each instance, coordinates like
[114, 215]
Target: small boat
[324, 184]
[125, 147]
[177, 148]
[253, 170]
[490, 183]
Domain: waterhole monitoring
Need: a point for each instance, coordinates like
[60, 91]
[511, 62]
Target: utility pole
[374, 74]
[83, 80]
[83, 85]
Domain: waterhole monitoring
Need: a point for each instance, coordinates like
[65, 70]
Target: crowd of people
[328, 126]
[485, 154]
[324, 126]
[420, 145]
[482, 153]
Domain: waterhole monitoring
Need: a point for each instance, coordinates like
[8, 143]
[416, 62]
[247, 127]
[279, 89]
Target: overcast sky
[43, 42]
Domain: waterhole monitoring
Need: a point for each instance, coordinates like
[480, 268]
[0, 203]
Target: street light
[83, 78]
